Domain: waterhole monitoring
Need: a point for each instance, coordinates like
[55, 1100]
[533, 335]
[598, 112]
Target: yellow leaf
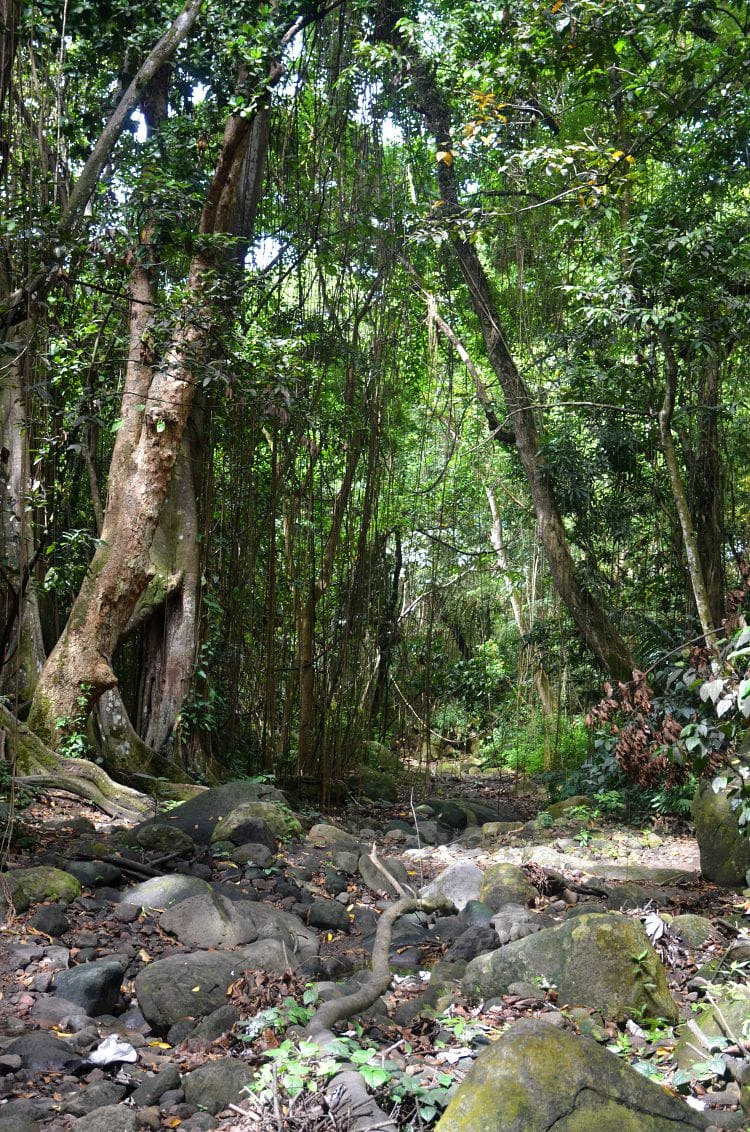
[194, 989]
[159, 1045]
[329, 937]
[445, 156]
[556, 7]
[618, 153]
[630, 159]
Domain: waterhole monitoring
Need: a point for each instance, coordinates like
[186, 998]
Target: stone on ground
[375, 879]
[240, 824]
[112, 1118]
[537, 1077]
[198, 816]
[185, 986]
[459, 883]
[164, 892]
[725, 852]
[324, 836]
[209, 921]
[506, 884]
[592, 960]
[95, 987]
[217, 1083]
[39, 884]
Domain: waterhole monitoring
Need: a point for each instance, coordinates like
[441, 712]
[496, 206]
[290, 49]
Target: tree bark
[595, 626]
[679, 495]
[80, 669]
[21, 645]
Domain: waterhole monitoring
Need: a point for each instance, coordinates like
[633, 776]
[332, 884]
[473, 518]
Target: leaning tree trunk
[594, 625]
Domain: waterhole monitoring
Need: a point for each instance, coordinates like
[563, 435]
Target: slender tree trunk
[594, 625]
[541, 679]
[679, 495]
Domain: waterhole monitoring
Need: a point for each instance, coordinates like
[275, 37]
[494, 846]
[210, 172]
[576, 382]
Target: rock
[479, 812]
[254, 853]
[345, 860]
[324, 836]
[474, 941]
[513, 922]
[41, 883]
[493, 830]
[217, 1023]
[217, 1083]
[694, 931]
[95, 987]
[111, 1118]
[16, 1122]
[163, 838]
[164, 892]
[328, 914]
[375, 879]
[50, 919]
[475, 912]
[198, 816]
[152, 1088]
[98, 1095]
[733, 1012]
[209, 921]
[537, 1077]
[185, 986]
[272, 955]
[242, 824]
[591, 960]
[724, 851]
[93, 873]
[449, 813]
[377, 785]
[562, 808]
[40, 1050]
[506, 884]
[459, 883]
[271, 923]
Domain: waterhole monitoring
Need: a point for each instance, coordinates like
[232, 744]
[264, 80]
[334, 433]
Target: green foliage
[530, 749]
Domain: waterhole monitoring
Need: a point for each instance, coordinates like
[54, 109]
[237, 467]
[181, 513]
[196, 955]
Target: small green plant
[583, 837]
[74, 743]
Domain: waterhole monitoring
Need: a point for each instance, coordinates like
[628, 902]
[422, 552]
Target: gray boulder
[328, 915]
[93, 873]
[185, 986]
[323, 836]
[603, 961]
[209, 921]
[217, 1083]
[164, 892]
[300, 941]
[459, 883]
[112, 1118]
[198, 816]
[725, 852]
[375, 879]
[95, 987]
[40, 1050]
[537, 1077]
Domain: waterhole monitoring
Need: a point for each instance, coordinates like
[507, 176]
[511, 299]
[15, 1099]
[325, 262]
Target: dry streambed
[151, 975]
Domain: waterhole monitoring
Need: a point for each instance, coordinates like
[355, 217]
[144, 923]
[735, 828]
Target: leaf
[160, 426]
[712, 689]
[743, 697]
[445, 156]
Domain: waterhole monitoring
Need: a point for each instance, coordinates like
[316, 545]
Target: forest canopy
[373, 379]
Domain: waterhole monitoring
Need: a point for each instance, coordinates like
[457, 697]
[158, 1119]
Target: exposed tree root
[347, 1091]
[37, 764]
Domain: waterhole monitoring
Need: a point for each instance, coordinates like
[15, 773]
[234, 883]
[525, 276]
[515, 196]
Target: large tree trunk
[80, 669]
[594, 625]
[21, 645]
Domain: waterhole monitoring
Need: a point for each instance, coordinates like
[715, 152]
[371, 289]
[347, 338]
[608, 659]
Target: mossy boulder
[505, 884]
[537, 1077]
[279, 818]
[41, 883]
[323, 836]
[198, 816]
[562, 808]
[600, 960]
[725, 852]
[377, 785]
